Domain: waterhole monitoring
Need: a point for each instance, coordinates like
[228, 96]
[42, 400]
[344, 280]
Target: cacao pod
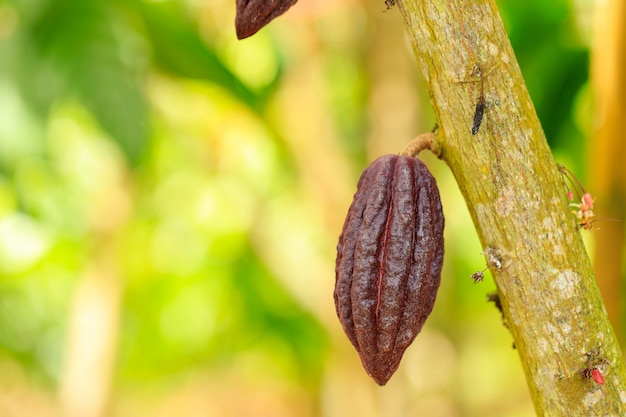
[389, 260]
[252, 15]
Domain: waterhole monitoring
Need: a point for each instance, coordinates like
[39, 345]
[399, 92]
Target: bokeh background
[171, 199]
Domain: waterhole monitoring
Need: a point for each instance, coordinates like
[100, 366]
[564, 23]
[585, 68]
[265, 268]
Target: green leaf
[178, 49]
[75, 47]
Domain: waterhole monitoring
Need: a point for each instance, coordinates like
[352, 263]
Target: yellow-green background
[173, 197]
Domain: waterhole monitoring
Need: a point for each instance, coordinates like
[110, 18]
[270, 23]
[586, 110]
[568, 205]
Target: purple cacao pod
[252, 15]
[389, 260]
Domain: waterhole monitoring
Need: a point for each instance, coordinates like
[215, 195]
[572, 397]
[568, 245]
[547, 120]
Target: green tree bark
[514, 193]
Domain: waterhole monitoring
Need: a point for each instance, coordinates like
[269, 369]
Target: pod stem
[421, 142]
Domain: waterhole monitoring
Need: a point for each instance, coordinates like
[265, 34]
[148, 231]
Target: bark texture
[512, 188]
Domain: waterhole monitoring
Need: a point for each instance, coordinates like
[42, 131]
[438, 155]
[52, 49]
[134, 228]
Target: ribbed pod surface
[389, 260]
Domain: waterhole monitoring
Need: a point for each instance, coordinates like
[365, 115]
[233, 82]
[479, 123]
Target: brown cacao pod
[252, 15]
[389, 260]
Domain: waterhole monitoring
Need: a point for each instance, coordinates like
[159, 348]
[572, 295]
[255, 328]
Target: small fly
[481, 104]
[478, 114]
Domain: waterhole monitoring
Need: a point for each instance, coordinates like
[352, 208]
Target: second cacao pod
[252, 15]
[389, 260]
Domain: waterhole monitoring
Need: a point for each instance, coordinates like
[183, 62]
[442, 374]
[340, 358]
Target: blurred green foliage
[161, 94]
[553, 53]
[90, 63]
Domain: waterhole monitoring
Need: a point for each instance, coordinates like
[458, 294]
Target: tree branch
[512, 188]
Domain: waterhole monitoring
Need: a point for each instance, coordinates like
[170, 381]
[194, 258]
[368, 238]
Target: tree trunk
[512, 187]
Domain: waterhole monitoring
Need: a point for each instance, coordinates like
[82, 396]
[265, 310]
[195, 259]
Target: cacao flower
[252, 15]
[389, 260]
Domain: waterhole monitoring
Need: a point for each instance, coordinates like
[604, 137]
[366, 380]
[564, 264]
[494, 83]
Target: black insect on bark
[478, 114]
[481, 104]
[389, 260]
[252, 15]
